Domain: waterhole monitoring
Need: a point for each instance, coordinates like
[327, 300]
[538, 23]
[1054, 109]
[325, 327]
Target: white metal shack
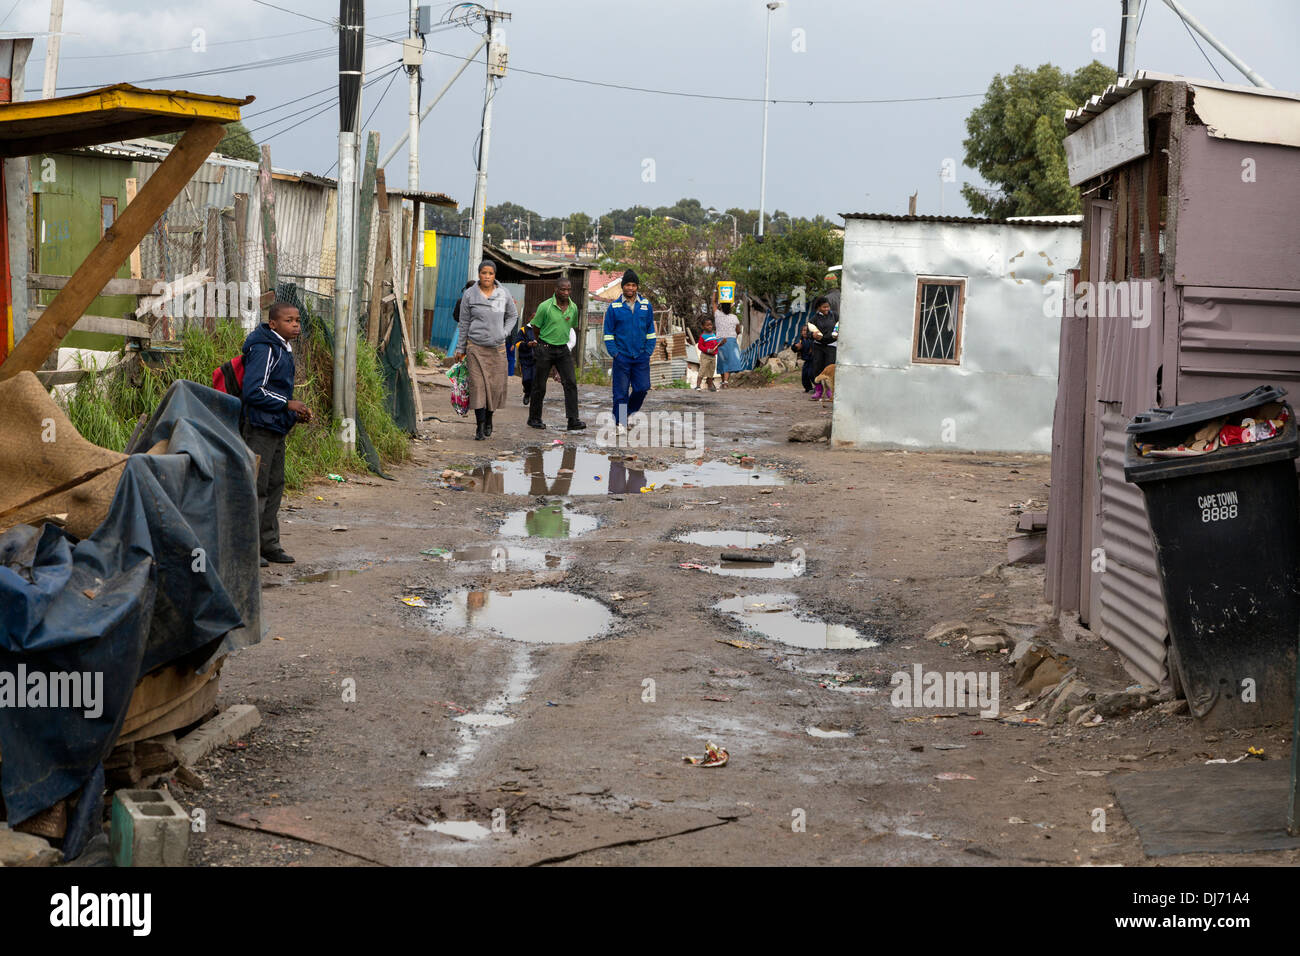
[949, 330]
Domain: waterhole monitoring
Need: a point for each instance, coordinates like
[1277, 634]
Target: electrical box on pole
[423, 20]
[498, 56]
[412, 52]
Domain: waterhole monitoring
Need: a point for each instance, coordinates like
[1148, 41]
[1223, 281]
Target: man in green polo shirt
[554, 320]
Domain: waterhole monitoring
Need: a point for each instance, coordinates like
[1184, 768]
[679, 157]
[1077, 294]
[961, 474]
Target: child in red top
[708, 344]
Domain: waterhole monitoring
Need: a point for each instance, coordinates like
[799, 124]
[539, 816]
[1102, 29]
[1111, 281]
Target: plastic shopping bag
[459, 376]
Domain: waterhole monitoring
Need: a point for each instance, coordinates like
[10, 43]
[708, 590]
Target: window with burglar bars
[939, 306]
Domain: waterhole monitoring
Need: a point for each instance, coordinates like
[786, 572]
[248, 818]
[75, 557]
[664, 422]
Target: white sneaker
[622, 430]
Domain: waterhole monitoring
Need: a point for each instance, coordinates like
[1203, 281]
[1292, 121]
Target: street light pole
[734, 238]
[767, 70]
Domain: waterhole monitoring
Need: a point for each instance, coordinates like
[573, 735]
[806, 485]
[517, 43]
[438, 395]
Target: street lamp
[675, 219]
[767, 69]
[734, 239]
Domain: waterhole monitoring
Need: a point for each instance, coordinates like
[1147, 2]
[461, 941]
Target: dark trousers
[546, 357]
[631, 386]
[269, 446]
[821, 357]
[809, 373]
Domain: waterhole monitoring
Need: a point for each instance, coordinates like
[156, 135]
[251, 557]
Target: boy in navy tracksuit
[269, 412]
[630, 341]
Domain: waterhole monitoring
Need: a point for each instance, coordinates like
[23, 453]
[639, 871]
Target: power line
[11, 11]
[1199, 47]
[328, 105]
[327, 89]
[366, 122]
[728, 99]
[286, 60]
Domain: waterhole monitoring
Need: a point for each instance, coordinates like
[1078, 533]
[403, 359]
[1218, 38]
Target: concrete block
[227, 726]
[149, 828]
[25, 849]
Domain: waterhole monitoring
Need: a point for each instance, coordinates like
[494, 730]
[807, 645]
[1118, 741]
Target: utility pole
[1128, 37]
[497, 54]
[413, 59]
[1210, 38]
[52, 50]
[767, 70]
[352, 19]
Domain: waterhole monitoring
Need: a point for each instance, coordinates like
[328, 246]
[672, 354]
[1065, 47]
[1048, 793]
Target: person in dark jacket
[822, 329]
[269, 412]
[803, 348]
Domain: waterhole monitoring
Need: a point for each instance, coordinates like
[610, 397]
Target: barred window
[939, 307]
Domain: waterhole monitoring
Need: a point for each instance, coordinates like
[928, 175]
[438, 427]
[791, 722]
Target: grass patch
[104, 408]
[593, 375]
[677, 383]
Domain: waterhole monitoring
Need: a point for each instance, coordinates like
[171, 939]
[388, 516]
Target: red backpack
[229, 376]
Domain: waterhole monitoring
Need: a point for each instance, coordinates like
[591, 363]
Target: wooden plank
[211, 241]
[241, 235]
[366, 213]
[136, 286]
[269, 252]
[383, 240]
[132, 186]
[69, 376]
[101, 323]
[114, 248]
[175, 291]
[411, 319]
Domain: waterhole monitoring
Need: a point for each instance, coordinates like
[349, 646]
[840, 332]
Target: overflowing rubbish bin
[1220, 485]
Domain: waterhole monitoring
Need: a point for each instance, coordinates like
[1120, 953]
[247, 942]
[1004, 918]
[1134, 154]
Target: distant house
[947, 335]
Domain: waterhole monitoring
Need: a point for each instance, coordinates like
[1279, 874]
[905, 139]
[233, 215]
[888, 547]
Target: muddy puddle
[746, 540]
[500, 557]
[564, 470]
[335, 575]
[780, 570]
[460, 829]
[774, 616]
[533, 615]
[548, 521]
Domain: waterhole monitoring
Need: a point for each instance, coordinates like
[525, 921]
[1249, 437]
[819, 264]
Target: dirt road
[420, 735]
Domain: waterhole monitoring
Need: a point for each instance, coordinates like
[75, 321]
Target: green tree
[237, 142]
[775, 270]
[677, 264]
[1015, 140]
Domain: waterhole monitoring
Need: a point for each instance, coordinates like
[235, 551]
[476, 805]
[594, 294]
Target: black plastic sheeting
[171, 576]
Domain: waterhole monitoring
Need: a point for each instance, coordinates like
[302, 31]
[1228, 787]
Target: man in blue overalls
[630, 340]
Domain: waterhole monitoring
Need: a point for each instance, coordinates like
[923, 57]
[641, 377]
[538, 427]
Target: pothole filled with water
[335, 575]
[548, 521]
[460, 829]
[534, 615]
[773, 616]
[563, 470]
[729, 539]
[759, 569]
[500, 557]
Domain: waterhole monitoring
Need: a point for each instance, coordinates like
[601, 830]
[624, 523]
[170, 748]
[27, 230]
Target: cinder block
[149, 828]
[229, 725]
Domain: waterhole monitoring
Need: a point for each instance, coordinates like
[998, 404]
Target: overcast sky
[559, 147]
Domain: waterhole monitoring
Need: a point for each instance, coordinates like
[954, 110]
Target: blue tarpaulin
[776, 334]
[170, 576]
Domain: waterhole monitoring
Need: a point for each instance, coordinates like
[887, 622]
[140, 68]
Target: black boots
[487, 423]
[576, 425]
[478, 430]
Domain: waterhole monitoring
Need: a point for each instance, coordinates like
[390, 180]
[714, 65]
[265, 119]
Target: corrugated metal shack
[215, 224]
[1190, 217]
[948, 331]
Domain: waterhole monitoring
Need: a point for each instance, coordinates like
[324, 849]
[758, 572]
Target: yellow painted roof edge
[222, 109]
